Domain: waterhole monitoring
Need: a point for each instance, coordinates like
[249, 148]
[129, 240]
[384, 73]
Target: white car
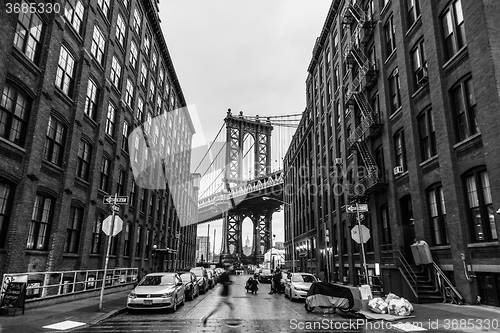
[157, 291]
[297, 285]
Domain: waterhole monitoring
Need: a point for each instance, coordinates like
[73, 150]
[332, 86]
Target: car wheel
[174, 308]
[309, 308]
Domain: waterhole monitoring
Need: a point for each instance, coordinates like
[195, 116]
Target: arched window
[437, 212]
[41, 221]
[6, 195]
[14, 114]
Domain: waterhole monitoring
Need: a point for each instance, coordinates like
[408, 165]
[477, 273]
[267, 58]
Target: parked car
[216, 275]
[202, 277]
[190, 282]
[297, 285]
[265, 276]
[211, 279]
[157, 291]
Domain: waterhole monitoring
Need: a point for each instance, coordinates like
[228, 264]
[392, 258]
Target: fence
[43, 285]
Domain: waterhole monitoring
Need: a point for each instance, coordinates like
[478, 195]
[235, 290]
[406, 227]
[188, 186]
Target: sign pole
[365, 268]
[107, 257]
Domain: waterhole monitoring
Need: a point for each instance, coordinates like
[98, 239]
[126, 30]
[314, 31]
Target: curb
[108, 315]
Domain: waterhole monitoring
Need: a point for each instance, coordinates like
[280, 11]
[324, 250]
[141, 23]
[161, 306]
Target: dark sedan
[266, 275]
[190, 285]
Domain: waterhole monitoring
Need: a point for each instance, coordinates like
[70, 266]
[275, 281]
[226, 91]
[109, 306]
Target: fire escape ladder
[367, 157]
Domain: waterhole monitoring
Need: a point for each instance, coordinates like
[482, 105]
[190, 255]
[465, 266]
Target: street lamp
[291, 225]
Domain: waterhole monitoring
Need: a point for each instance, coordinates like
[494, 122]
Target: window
[152, 88]
[386, 227]
[95, 246]
[83, 162]
[98, 45]
[125, 3]
[419, 63]
[144, 74]
[65, 71]
[126, 241]
[53, 150]
[161, 77]
[481, 212]
[138, 243]
[28, 37]
[73, 230]
[115, 74]
[41, 219]
[73, 11]
[427, 135]
[394, 90]
[453, 29]
[133, 191]
[158, 104]
[437, 211]
[413, 11]
[120, 186]
[125, 134]
[133, 55]
[147, 244]
[6, 195]
[464, 107]
[154, 62]
[110, 120]
[104, 6]
[14, 115]
[147, 43]
[400, 150]
[390, 36]
[129, 93]
[105, 170]
[90, 107]
[137, 21]
[120, 30]
[142, 204]
[140, 110]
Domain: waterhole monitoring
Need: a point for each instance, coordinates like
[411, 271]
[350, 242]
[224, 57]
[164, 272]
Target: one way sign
[110, 199]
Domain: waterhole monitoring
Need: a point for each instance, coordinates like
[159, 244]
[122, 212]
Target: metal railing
[446, 288]
[43, 285]
[399, 260]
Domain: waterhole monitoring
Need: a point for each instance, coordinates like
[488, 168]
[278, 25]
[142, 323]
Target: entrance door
[408, 224]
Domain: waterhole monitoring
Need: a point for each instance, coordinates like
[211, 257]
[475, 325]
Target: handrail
[410, 272]
[442, 278]
[402, 265]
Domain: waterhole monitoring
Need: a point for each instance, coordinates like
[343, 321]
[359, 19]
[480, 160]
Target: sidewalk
[82, 311]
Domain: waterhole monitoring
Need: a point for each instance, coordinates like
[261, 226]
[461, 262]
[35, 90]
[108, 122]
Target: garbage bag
[378, 305]
[400, 307]
[390, 297]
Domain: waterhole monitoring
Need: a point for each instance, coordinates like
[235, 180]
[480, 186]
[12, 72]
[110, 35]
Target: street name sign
[106, 225]
[120, 200]
[362, 208]
[115, 208]
[359, 232]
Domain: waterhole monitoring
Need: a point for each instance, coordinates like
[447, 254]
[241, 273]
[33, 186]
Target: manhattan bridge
[242, 177]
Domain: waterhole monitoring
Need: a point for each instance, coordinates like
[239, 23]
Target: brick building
[74, 85]
[402, 111]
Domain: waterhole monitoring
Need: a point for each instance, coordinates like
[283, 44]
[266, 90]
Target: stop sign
[106, 225]
[359, 232]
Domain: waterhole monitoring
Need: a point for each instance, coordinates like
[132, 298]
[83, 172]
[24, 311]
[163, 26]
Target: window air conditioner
[338, 161]
[422, 77]
[398, 170]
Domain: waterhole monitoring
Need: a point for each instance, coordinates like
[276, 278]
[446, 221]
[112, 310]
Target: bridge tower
[237, 129]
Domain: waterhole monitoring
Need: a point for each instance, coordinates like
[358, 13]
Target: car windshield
[303, 278]
[186, 277]
[157, 280]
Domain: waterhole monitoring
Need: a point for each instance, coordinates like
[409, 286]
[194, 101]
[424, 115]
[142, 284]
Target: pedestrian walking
[225, 299]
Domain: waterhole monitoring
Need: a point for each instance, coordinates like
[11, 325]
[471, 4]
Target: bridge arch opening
[248, 159]
[247, 235]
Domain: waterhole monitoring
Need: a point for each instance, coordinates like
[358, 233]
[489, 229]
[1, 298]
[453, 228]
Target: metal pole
[362, 244]
[107, 255]
[213, 247]
[208, 242]
[293, 238]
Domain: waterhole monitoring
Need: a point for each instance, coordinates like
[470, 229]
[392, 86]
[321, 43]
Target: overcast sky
[245, 55]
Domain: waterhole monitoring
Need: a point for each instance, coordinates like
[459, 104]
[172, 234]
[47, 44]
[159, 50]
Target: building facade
[74, 85]
[202, 249]
[402, 110]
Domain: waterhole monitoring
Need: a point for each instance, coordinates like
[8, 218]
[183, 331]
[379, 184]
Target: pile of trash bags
[392, 304]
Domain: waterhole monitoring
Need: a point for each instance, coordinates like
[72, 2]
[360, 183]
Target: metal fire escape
[361, 24]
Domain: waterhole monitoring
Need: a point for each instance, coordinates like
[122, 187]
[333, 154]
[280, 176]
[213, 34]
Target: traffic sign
[106, 225]
[359, 232]
[362, 208]
[115, 208]
[120, 200]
